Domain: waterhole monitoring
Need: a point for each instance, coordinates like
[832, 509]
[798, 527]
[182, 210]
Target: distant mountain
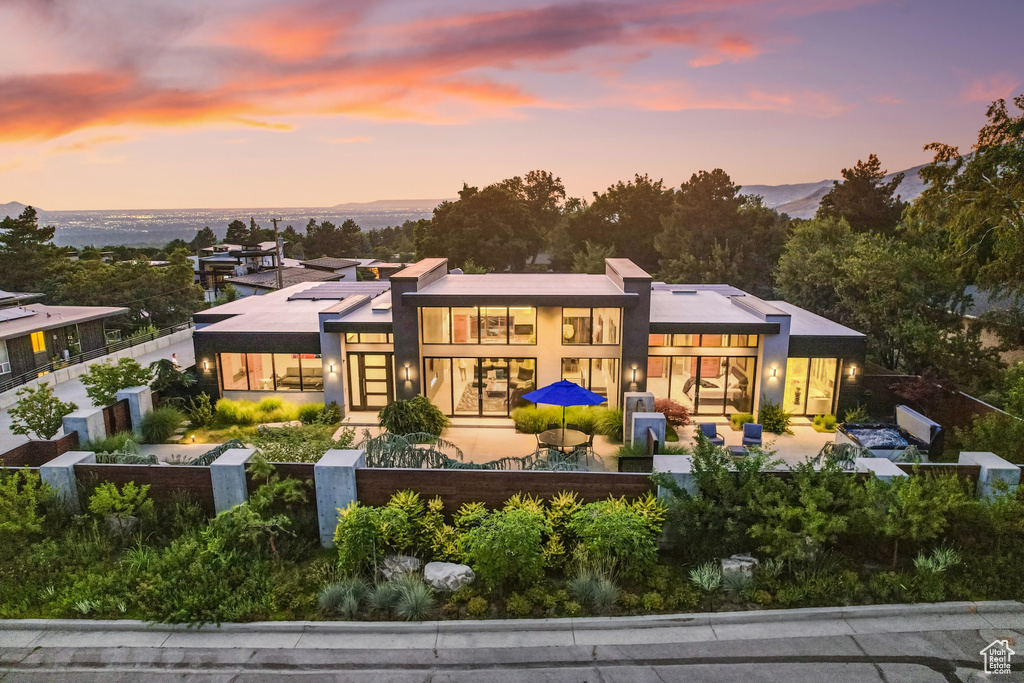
[12, 209]
[802, 200]
[394, 204]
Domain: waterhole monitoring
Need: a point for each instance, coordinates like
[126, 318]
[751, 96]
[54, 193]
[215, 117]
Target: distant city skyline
[129, 104]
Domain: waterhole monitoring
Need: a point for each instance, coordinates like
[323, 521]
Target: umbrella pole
[563, 426]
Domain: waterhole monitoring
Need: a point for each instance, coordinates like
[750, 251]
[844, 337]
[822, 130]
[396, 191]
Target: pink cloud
[990, 88]
[675, 96]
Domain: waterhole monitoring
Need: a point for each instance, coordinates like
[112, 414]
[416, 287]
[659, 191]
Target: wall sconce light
[774, 372]
[633, 373]
[206, 365]
[332, 368]
[853, 371]
[408, 376]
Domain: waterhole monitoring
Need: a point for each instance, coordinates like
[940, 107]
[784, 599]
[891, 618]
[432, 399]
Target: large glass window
[706, 340]
[437, 373]
[480, 325]
[478, 386]
[600, 375]
[369, 338]
[312, 372]
[708, 385]
[810, 385]
[261, 371]
[38, 342]
[232, 372]
[591, 325]
[5, 360]
[288, 372]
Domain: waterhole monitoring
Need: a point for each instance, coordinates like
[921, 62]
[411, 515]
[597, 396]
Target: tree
[27, 255]
[543, 194]
[975, 201]
[591, 259]
[38, 411]
[327, 239]
[863, 199]
[492, 227]
[714, 234]
[237, 233]
[103, 380]
[626, 217]
[204, 238]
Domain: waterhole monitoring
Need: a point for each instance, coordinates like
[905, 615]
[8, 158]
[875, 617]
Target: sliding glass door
[478, 387]
[706, 385]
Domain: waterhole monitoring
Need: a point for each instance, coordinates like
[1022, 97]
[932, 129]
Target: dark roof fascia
[258, 342]
[715, 328]
[833, 346]
[342, 326]
[625, 300]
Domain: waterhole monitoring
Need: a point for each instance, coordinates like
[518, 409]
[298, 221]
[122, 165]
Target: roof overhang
[715, 328]
[421, 299]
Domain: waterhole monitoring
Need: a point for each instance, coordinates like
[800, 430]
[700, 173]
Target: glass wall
[591, 325]
[479, 386]
[369, 338]
[271, 372]
[479, 325]
[709, 385]
[600, 375]
[5, 360]
[810, 385]
[706, 340]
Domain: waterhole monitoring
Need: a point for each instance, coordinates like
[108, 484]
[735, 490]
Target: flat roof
[806, 324]
[43, 317]
[691, 308]
[291, 276]
[330, 262]
[372, 315]
[267, 313]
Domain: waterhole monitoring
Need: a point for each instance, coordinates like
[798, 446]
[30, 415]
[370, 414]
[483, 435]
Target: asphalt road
[919, 644]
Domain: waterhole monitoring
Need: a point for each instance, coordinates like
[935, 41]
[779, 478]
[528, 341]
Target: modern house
[474, 344]
[33, 335]
[266, 280]
[345, 268]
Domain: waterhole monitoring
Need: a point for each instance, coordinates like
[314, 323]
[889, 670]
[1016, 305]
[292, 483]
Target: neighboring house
[984, 302]
[474, 344]
[375, 269]
[220, 262]
[345, 267]
[33, 335]
[266, 281]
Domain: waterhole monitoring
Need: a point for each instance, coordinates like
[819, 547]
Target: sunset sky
[109, 104]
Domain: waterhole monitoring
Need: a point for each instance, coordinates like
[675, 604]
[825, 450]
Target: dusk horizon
[111, 105]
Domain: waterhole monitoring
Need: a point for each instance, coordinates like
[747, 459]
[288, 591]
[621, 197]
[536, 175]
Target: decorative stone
[261, 428]
[739, 564]
[121, 525]
[447, 576]
[396, 565]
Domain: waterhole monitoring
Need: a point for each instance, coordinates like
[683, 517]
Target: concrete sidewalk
[874, 644]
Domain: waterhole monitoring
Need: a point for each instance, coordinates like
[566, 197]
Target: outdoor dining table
[564, 438]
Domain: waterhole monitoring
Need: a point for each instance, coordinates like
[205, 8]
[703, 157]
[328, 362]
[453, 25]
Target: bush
[518, 605]
[609, 423]
[773, 418]
[115, 443]
[997, 433]
[477, 607]
[535, 419]
[737, 420]
[129, 501]
[200, 411]
[859, 413]
[300, 444]
[415, 599]
[825, 423]
[104, 380]
[505, 549]
[342, 598]
[616, 533]
[21, 493]
[413, 416]
[159, 424]
[38, 411]
[364, 534]
[675, 413]
[248, 413]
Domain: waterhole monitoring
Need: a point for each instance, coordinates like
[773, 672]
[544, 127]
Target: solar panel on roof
[14, 313]
[341, 290]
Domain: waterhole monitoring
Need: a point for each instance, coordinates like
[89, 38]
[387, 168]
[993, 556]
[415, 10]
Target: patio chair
[573, 425]
[710, 430]
[554, 425]
[752, 434]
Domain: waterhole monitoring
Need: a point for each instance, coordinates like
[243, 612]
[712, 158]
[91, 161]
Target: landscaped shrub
[21, 493]
[415, 599]
[675, 413]
[160, 424]
[247, 413]
[103, 380]
[505, 549]
[300, 444]
[109, 444]
[609, 423]
[129, 501]
[310, 412]
[477, 607]
[535, 419]
[859, 413]
[995, 433]
[825, 423]
[416, 415]
[39, 411]
[518, 605]
[614, 533]
[342, 598]
[773, 418]
[200, 411]
[737, 420]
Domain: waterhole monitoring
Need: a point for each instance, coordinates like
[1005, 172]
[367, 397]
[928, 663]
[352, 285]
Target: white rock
[121, 525]
[739, 564]
[396, 565]
[447, 575]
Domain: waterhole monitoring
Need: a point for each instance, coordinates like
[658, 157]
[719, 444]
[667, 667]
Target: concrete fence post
[993, 470]
[680, 468]
[227, 474]
[644, 421]
[59, 473]
[140, 402]
[88, 422]
[634, 402]
[335, 478]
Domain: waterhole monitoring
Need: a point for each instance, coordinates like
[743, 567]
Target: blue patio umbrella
[564, 393]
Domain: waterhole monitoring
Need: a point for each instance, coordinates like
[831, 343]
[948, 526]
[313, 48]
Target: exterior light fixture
[206, 365]
[332, 368]
[853, 371]
[775, 372]
[408, 377]
[633, 375]
[193, 438]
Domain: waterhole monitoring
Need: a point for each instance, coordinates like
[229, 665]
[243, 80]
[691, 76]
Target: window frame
[273, 371]
[478, 340]
[590, 341]
[38, 342]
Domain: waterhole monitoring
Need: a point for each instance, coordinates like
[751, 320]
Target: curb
[563, 624]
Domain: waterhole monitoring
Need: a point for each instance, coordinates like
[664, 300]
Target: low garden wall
[165, 481]
[35, 453]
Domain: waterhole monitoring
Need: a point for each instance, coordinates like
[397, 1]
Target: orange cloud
[998, 86]
[89, 143]
[674, 96]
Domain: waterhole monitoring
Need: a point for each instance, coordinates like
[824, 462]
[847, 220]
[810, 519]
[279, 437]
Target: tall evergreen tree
[27, 254]
[866, 202]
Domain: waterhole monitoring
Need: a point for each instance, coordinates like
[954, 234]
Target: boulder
[396, 565]
[447, 576]
[739, 564]
[121, 525]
